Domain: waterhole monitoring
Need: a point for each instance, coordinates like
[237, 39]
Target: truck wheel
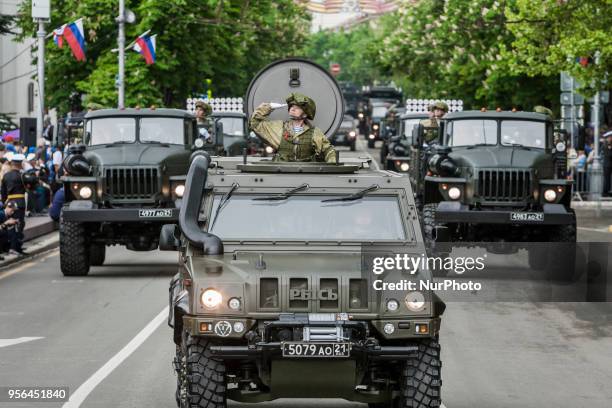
[429, 224]
[371, 143]
[201, 378]
[421, 379]
[562, 255]
[383, 156]
[353, 147]
[97, 254]
[74, 250]
[537, 258]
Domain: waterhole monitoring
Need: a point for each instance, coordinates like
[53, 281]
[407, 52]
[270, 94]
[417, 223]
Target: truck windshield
[306, 218]
[472, 132]
[379, 111]
[232, 126]
[163, 130]
[111, 130]
[524, 133]
[409, 124]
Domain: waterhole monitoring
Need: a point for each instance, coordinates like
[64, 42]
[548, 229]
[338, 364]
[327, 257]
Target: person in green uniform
[438, 110]
[295, 139]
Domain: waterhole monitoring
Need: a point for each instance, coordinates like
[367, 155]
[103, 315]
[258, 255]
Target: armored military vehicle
[123, 183]
[491, 178]
[272, 299]
[395, 153]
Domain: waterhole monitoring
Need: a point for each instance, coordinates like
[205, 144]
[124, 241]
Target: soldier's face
[199, 113]
[438, 113]
[296, 111]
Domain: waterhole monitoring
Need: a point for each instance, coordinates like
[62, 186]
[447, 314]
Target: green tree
[225, 40]
[550, 34]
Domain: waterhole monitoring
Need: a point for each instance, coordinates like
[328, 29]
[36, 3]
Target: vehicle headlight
[238, 327]
[352, 133]
[179, 190]
[415, 301]
[560, 147]
[269, 149]
[371, 136]
[454, 193]
[404, 166]
[389, 328]
[85, 192]
[375, 127]
[392, 305]
[198, 143]
[550, 195]
[211, 298]
[360, 115]
[234, 304]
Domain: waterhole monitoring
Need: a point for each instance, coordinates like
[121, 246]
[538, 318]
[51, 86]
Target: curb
[39, 245]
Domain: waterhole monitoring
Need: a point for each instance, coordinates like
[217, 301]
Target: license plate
[527, 216]
[316, 350]
[163, 213]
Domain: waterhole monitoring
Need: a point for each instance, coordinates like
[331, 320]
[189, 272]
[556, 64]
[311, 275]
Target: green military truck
[272, 299]
[123, 183]
[490, 177]
[395, 153]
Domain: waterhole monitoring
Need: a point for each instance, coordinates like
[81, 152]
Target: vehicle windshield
[379, 111]
[524, 133]
[111, 130]
[164, 130]
[472, 132]
[409, 124]
[306, 218]
[233, 126]
[346, 124]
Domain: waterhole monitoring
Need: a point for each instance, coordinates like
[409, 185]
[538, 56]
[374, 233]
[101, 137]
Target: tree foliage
[550, 34]
[453, 49]
[224, 40]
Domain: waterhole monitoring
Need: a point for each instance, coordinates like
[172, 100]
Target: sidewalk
[601, 208]
[40, 235]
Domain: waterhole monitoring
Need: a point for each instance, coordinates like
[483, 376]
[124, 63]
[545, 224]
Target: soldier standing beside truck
[438, 109]
[295, 139]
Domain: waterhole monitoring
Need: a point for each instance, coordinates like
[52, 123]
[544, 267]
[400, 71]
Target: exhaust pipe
[190, 209]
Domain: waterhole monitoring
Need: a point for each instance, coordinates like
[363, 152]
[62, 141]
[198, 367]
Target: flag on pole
[58, 36]
[73, 33]
[145, 45]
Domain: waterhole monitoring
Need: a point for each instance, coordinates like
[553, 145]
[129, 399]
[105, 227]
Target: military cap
[203, 105]
[304, 102]
[439, 105]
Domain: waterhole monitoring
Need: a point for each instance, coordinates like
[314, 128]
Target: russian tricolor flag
[73, 33]
[145, 45]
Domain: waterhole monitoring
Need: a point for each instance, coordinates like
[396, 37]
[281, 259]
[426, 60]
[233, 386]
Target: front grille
[503, 186]
[130, 183]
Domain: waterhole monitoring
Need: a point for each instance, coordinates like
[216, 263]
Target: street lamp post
[121, 44]
[596, 176]
[41, 34]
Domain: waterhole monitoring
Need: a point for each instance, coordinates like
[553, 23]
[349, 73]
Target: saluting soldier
[295, 139]
[438, 110]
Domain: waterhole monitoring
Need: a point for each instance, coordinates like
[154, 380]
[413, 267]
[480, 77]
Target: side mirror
[87, 138]
[417, 135]
[441, 132]
[219, 133]
[168, 238]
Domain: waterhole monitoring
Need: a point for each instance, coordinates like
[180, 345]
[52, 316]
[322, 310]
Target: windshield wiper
[284, 195]
[520, 145]
[478, 144]
[118, 142]
[354, 196]
[222, 203]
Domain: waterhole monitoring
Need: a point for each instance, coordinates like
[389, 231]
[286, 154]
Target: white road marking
[77, 398]
[19, 340]
[368, 155]
[20, 268]
[602, 230]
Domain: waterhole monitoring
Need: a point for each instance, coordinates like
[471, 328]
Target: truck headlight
[352, 134]
[234, 304]
[550, 195]
[389, 328]
[211, 298]
[371, 136]
[415, 301]
[360, 115]
[85, 192]
[179, 190]
[198, 143]
[392, 305]
[560, 147]
[375, 127]
[404, 166]
[454, 193]
[269, 149]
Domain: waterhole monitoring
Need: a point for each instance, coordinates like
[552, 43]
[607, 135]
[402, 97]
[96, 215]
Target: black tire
[562, 254]
[201, 378]
[537, 257]
[383, 156]
[353, 147]
[371, 143]
[429, 235]
[421, 379]
[97, 254]
[74, 249]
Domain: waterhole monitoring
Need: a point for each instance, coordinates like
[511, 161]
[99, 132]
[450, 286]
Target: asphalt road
[106, 338]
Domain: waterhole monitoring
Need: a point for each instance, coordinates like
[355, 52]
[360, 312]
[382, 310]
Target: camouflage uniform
[308, 145]
[204, 124]
[431, 125]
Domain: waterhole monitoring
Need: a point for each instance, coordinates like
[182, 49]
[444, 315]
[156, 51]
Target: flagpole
[121, 45]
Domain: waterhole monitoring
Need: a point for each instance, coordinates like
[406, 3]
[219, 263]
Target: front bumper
[455, 212]
[87, 211]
